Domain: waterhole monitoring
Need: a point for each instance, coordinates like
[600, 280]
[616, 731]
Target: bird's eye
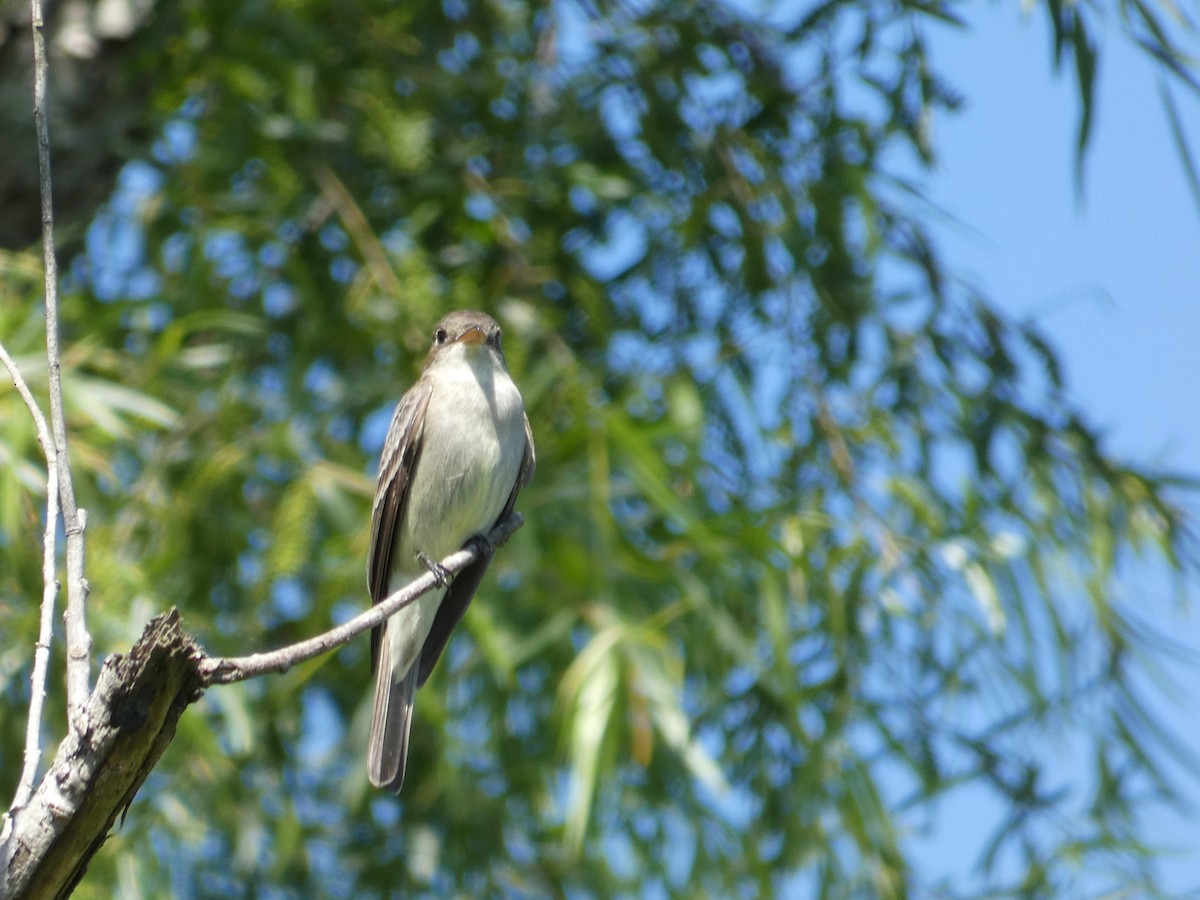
[439, 336]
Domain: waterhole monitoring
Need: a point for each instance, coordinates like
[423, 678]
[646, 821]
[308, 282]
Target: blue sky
[1111, 274]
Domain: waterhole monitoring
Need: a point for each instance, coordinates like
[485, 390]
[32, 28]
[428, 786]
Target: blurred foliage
[817, 544]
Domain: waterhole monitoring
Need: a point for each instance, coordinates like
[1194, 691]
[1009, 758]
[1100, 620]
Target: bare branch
[79, 642]
[41, 654]
[130, 718]
[35, 411]
[226, 670]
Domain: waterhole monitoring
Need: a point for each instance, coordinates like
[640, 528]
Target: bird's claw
[440, 573]
[483, 547]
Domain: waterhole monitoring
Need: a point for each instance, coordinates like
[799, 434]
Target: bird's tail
[391, 719]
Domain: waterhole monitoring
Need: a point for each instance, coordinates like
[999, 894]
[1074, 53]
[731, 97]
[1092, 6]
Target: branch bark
[123, 729]
[79, 642]
[130, 718]
[41, 653]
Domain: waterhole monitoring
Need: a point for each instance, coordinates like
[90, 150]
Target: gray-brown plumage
[457, 453]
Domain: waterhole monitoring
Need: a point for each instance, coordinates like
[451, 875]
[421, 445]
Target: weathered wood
[129, 719]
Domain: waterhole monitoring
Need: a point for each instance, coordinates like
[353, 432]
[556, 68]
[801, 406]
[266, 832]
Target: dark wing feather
[465, 583]
[396, 466]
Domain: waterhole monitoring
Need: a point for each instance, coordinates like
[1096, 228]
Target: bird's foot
[482, 546]
[440, 574]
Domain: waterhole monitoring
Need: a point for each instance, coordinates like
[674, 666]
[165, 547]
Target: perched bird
[458, 451]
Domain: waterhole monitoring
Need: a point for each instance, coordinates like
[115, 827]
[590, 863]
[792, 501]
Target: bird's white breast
[471, 449]
[462, 478]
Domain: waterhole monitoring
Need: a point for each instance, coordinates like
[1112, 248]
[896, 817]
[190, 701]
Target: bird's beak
[473, 336]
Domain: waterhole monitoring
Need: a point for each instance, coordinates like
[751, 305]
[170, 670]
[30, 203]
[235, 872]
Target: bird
[458, 451]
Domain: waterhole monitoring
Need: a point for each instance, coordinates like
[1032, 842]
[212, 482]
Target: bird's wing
[465, 583]
[399, 460]
[528, 464]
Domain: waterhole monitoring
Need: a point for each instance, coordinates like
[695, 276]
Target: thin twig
[226, 670]
[79, 642]
[41, 654]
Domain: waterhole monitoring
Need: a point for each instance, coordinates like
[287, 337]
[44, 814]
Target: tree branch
[41, 653]
[79, 642]
[46, 845]
[124, 727]
[226, 670]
